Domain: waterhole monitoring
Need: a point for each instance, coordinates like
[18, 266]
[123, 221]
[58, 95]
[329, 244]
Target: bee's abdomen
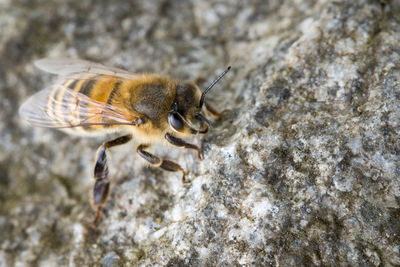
[57, 106]
[66, 108]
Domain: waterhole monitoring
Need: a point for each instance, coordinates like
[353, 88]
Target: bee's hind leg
[162, 163]
[101, 187]
[183, 144]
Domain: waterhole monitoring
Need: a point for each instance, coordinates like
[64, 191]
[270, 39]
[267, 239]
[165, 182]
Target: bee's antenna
[203, 95]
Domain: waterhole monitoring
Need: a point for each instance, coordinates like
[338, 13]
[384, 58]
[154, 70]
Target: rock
[303, 170]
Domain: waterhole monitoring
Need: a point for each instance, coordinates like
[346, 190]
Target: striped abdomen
[83, 101]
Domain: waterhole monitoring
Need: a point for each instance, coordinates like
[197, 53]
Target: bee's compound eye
[175, 121]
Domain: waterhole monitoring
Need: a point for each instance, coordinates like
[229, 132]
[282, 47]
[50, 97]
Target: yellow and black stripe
[84, 87]
[67, 109]
[104, 89]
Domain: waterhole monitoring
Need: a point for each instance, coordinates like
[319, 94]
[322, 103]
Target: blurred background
[303, 170]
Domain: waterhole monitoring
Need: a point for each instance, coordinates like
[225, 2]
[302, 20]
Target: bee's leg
[102, 185]
[214, 112]
[182, 144]
[162, 163]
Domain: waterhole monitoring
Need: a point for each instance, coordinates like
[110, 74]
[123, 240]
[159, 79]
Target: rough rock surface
[304, 169]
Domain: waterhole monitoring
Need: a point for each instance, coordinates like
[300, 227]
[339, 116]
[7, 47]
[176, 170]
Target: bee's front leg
[162, 163]
[216, 114]
[183, 144]
[101, 187]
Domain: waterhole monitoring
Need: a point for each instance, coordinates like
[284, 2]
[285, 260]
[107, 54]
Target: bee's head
[185, 114]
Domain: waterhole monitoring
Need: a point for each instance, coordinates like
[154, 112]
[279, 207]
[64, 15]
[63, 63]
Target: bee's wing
[77, 68]
[75, 110]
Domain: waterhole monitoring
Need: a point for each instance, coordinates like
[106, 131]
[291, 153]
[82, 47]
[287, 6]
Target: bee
[91, 99]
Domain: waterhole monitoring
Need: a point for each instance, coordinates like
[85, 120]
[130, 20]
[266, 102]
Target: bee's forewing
[76, 67]
[34, 110]
[74, 110]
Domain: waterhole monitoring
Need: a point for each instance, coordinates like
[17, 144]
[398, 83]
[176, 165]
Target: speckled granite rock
[304, 169]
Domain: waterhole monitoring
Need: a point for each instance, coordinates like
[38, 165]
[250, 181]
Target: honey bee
[92, 99]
